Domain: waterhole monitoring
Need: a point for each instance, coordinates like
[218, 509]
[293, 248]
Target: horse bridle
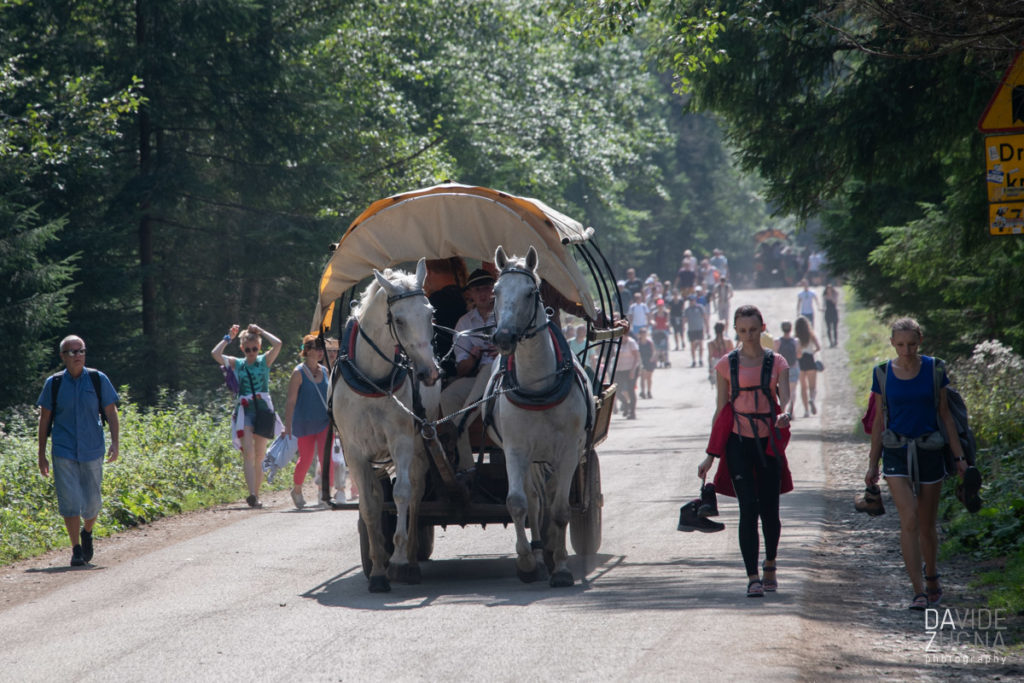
[531, 329]
[406, 363]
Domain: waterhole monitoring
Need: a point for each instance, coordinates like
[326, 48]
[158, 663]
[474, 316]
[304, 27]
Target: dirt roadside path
[857, 625]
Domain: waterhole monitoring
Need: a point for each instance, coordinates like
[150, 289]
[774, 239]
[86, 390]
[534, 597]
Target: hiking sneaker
[870, 501]
[689, 521]
[86, 545]
[968, 490]
[297, 498]
[77, 560]
[708, 501]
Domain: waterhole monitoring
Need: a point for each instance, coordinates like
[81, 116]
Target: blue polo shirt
[77, 429]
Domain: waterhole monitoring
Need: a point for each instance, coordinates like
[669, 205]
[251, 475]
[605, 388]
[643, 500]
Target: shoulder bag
[265, 420]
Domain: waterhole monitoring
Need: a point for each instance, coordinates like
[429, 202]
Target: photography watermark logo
[952, 631]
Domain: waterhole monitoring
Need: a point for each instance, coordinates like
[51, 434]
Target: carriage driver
[474, 355]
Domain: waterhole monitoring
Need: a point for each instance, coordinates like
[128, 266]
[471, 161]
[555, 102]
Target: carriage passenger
[474, 355]
[444, 287]
[578, 343]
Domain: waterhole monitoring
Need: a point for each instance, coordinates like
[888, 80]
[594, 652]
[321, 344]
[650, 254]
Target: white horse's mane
[397, 277]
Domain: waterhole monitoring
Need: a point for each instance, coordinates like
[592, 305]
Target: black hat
[479, 277]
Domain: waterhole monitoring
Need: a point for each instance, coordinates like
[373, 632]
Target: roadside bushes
[991, 381]
[173, 458]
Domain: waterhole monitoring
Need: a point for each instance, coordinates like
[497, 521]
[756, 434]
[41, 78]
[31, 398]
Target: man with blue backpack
[73, 405]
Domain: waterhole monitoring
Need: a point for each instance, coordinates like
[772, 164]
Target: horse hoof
[529, 577]
[409, 573]
[379, 584]
[561, 579]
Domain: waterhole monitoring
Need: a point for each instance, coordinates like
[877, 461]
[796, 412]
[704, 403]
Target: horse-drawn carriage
[534, 431]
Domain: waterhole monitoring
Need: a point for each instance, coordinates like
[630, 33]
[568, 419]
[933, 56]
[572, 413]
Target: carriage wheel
[585, 525]
[424, 542]
[388, 521]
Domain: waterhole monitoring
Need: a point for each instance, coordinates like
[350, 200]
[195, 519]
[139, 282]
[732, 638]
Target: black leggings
[757, 491]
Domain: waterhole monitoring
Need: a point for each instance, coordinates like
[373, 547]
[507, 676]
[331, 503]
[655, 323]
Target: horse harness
[355, 378]
[567, 372]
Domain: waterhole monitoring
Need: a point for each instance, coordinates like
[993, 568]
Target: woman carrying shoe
[305, 413]
[253, 373]
[753, 451]
[913, 469]
[807, 345]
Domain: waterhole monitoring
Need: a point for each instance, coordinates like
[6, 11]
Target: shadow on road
[62, 570]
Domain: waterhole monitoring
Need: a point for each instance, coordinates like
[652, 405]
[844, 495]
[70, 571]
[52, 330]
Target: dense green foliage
[35, 293]
[201, 157]
[991, 383]
[174, 457]
[862, 114]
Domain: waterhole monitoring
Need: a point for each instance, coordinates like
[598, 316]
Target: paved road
[279, 595]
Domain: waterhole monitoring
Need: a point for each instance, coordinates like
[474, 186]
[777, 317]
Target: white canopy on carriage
[455, 220]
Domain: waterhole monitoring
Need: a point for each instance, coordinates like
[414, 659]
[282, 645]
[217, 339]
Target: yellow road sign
[1006, 218]
[1004, 167]
[1005, 111]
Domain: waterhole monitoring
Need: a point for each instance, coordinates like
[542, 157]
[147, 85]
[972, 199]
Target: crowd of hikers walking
[756, 379]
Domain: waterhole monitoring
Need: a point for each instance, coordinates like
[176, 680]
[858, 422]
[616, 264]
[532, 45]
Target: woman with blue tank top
[305, 414]
[904, 439]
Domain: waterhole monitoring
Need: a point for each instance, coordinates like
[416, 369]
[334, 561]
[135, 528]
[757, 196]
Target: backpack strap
[938, 371]
[881, 372]
[734, 374]
[97, 386]
[54, 388]
[767, 365]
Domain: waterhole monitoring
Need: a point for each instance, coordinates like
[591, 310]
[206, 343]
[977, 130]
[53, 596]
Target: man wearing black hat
[474, 355]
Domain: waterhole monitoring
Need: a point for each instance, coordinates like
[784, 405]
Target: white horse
[387, 347]
[540, 419]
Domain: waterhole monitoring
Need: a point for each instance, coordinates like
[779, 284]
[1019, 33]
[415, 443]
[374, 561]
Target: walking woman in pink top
[751, 454]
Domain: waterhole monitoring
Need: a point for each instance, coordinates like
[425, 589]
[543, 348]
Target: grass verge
[174, 458]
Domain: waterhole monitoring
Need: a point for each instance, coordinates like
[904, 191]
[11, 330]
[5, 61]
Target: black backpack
[94, 375]
[767, 365]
